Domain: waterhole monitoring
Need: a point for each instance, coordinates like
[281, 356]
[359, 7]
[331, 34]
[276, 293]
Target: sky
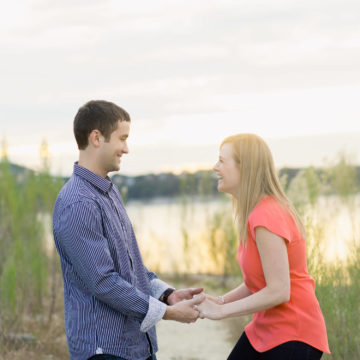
[189, 73]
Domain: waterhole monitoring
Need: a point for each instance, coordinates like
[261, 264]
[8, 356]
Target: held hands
[210, 308]
[184, 311]
[187, 305]
[183, 294]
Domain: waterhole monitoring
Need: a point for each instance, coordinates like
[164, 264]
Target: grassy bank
[31, 299]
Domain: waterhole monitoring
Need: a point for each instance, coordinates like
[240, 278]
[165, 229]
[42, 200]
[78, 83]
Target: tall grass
[24, 264]
[338, 281]
[223, 240]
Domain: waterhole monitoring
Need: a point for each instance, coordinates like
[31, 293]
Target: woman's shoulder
[268, 206]
[270, 213]
[268, 203]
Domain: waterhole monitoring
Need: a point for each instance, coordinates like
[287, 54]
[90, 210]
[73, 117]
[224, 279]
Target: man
[112, 302]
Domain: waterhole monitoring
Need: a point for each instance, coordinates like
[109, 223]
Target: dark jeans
[112, 357]
[292, 350]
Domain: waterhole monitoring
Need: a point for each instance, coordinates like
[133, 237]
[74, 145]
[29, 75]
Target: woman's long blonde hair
[258, 178]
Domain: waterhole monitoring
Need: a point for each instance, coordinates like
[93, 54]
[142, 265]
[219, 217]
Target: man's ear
[95, 138]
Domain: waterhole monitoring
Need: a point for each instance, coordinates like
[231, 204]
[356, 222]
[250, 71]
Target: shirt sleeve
[157, 286]
[79, 233]
[273, 217]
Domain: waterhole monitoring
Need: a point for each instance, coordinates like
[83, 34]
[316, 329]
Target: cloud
[173, 62]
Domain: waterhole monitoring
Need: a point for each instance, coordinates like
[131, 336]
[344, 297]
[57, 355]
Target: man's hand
[184, 311]
[183, 294]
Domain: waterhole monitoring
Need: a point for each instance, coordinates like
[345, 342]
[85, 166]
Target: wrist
[165, 296]
[169, 313]
[222, 312]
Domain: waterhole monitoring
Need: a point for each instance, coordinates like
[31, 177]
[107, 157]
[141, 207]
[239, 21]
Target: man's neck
[87, 162]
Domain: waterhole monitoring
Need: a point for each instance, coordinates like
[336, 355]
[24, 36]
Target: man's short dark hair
[97, 115]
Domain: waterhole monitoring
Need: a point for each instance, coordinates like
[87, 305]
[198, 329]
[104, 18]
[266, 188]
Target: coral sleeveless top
[298, 319]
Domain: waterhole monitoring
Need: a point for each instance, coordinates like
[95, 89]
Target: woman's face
[227, 171]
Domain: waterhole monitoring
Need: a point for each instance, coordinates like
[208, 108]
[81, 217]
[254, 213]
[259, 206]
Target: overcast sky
[188, 72]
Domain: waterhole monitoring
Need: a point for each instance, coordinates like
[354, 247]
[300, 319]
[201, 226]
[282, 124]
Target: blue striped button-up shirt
[110, 297]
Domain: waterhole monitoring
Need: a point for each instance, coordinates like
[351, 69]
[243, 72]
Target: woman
[287, 321]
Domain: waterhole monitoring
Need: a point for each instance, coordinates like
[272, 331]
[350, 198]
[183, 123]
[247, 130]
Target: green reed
[25, 198]
[223, 239]
[338, 281]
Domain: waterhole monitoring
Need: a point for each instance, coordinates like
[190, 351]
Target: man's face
[112, 151]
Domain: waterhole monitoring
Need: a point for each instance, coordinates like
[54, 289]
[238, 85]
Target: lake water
[160, 224]
[161, 227]
[174, 237]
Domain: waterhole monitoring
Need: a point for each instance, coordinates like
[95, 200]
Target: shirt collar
[104, 184]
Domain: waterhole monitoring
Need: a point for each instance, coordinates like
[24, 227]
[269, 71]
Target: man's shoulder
[76, 190]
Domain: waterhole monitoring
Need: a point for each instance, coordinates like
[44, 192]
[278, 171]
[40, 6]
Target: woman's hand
[215, 299]
[210, 310]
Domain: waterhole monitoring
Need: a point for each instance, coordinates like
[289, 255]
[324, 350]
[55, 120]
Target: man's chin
[114, 168]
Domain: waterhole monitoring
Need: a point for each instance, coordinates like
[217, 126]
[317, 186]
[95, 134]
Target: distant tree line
[201, 183]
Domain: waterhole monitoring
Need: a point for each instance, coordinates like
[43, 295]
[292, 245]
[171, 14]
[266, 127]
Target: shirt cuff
[158, 287]
[155, 313]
